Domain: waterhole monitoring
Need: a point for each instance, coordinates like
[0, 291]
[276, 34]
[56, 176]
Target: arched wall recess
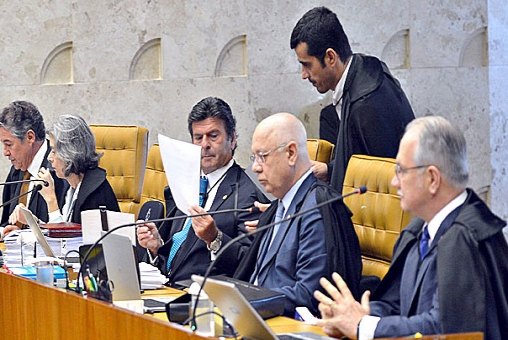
[232, 60]
[474, 51]
[147, 62]
[57, 68]
[396, 52]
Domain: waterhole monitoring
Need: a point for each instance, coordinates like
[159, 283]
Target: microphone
[36, 188]
[358, 191]
[173, 218]
[44, 182]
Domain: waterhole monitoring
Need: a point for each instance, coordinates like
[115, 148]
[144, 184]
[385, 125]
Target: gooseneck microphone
[359, 191]
[44, 182]
[174, 218]
[36, 188]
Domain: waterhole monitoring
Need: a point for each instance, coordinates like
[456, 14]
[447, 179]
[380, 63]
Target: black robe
[375, 112]
[472, 271]
[37, 204]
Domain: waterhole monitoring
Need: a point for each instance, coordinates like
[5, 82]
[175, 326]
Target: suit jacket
[458, 287]
[37, 204]
[193, 256]
[297, 258]
[94, 191]
[374, 113]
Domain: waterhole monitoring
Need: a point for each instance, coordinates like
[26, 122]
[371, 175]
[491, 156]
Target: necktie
[24, 188]
[179, 237]
[267, 242]
[424, 243]
[278, 217]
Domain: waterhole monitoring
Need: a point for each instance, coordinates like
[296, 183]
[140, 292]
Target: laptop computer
[123, 272]
[238, 311]
[36, 230]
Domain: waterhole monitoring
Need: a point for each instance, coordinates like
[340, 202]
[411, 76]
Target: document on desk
[182, 165]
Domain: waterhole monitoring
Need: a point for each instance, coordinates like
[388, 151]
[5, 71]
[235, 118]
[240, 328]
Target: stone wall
[148, 62]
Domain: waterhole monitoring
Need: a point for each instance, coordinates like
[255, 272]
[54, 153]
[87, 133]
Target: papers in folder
[91, 225]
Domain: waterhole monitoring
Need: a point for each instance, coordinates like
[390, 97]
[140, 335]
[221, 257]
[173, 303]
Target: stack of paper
[151, 277]
[19, 247]
[61, 246]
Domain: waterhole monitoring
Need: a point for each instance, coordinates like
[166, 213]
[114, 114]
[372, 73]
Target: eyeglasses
[260, 157]
[399, 170]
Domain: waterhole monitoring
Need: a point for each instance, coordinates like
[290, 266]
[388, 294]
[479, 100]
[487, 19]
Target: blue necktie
[424, 243]
[179, 237]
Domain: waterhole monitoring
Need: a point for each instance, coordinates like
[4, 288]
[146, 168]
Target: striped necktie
[179, 237]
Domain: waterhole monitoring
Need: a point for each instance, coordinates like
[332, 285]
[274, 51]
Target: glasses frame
[400, 170]
[260, 156]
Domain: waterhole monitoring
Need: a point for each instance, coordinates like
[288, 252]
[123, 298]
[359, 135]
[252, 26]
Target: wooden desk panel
[29, 310]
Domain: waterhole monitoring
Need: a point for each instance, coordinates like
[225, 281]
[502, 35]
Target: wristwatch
[214, 246]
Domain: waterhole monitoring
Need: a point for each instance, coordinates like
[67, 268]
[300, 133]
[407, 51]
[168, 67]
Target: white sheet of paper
[91, 225]
[182, 164]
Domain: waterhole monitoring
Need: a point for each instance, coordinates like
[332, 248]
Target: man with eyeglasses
[449, 271]
[291, 256]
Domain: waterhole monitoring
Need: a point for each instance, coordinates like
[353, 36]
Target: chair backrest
[124, 151]
[377, 215]
[155, 178]
[320, 150]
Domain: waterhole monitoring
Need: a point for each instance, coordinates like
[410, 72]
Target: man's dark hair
[21, 116]
[213, 107]
[320, 29]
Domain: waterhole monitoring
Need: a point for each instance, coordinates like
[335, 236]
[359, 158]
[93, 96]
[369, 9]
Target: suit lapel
[284, 228]
[430, 258]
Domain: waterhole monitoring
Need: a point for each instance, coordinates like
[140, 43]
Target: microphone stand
[174, 218]
[193, 324]
[35, 189]
[44, 182]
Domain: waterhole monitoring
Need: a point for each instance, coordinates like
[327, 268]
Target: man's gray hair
[20, 117]
[74, 143]
[443, 145]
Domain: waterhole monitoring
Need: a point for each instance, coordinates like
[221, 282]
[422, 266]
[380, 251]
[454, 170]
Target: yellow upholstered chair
[155, 178]
[377, 216]
[320, 150]
[124, 151]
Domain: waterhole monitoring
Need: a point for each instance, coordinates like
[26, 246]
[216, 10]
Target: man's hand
[320, 170]
[149, 237]
[204, 226]
[17, 216]
[250, 226]
[8, 229]
[341, 313]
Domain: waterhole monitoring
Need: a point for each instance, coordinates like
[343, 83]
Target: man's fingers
[331, 289]
[366, 301]
[342, 286]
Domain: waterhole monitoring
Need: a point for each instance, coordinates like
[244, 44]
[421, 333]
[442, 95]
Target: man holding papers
[185, 247]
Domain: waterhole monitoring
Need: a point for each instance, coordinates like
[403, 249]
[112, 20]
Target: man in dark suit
[371, 107]
[290, 257]
[449, 271]
[213, 127]
[23, 137]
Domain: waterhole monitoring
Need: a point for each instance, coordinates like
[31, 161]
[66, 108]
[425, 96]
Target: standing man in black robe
[371, 106]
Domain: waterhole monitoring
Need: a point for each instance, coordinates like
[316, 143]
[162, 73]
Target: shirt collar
[36, 164]
[339, 89]
[216, 175]
[436, 221]
[290, 195]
